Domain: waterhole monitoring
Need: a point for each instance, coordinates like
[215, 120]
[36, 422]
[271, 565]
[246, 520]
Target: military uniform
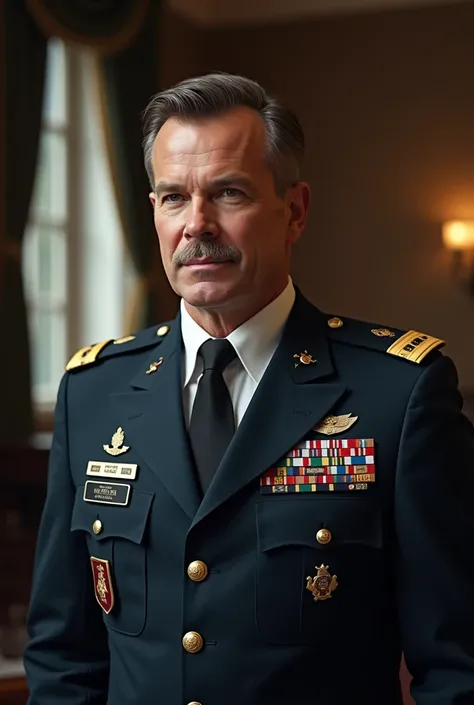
[337, 531]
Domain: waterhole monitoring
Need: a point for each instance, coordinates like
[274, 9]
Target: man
[258, 502]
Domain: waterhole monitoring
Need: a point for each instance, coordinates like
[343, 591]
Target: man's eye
[231, 192]
[171, 198]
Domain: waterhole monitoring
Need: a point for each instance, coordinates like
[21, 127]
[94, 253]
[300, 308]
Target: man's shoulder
[147, 338]
[410, 345]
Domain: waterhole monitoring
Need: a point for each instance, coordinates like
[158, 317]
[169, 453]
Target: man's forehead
[217, 158]
[236, 136]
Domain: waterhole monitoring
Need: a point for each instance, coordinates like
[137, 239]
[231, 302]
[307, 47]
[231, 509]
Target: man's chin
[207, 294]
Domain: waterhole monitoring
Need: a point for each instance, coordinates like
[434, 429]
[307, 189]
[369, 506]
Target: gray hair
[217, 93]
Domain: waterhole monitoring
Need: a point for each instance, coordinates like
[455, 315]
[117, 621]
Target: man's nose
[201, 221]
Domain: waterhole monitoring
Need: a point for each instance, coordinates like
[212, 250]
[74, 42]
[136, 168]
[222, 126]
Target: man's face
[225, 234]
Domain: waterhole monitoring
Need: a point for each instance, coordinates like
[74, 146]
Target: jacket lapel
[291, 398]
[155, 422]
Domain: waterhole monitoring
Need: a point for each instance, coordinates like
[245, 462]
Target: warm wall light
[458, 236]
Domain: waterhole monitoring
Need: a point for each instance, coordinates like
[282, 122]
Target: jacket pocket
[122, 542]
[289, 554]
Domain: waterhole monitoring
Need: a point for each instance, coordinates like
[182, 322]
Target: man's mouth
[205, 261]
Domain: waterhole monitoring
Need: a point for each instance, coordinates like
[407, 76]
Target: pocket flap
[125, 522]
[289, 522]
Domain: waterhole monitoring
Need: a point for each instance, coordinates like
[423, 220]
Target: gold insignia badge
[335, 424]
[154, 366]
[304, 358]
[383, 333]
[117, 447]
[127, 339]
[323, 584]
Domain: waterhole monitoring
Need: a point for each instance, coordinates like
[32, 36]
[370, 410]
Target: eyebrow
[225, 181]
[169, 186]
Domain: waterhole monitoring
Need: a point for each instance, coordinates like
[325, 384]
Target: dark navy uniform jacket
[398, 546]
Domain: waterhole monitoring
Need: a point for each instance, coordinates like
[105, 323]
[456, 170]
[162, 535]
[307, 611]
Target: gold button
[193, 642]
[162, 330]
[323, 536]
[335, 323]
[97, 527]
[197, 571]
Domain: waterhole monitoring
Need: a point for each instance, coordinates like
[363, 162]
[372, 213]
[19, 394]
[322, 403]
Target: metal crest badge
[304, 358]
[154, 366]
[383, 333]
[332, 425]
[104, 593]
[116, 447]
[323, 584]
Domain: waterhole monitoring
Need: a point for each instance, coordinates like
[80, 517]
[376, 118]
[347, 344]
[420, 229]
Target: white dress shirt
[255, 342]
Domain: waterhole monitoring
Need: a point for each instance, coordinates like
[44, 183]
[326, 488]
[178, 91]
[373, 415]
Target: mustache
[200, 249]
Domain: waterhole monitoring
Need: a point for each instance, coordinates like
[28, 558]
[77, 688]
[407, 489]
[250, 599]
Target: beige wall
[387, 102]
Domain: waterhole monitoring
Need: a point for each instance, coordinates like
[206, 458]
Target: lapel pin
[154, 366]
[332, 425]
[116, 447]
[383, 333]
[304, 358]
[323, 584]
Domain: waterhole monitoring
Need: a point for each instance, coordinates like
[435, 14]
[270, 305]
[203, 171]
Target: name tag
[98, 468]
[107, 492]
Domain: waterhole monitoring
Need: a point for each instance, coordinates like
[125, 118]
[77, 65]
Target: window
[76, 270]
[46, 241]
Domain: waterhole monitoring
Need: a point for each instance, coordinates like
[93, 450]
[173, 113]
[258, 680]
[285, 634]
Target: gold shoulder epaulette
[409, 345]
[415, 346]
[87, 355]
[144, 339]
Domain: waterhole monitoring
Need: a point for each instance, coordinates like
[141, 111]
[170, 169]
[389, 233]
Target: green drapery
[24, 65]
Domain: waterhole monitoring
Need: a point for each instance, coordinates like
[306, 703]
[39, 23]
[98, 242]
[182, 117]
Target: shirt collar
[255, 341]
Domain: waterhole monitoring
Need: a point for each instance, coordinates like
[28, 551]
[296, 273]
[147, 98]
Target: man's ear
[298, 202]
[152, 198]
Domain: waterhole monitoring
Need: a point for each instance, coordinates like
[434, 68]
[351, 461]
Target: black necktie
[212, 419]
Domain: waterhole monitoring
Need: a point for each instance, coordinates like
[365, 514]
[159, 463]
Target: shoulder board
[409, 345]
[110, 348]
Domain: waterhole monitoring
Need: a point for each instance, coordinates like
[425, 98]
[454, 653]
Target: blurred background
[384, 91]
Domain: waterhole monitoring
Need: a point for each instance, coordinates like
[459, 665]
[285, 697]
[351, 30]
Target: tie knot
[217, 354]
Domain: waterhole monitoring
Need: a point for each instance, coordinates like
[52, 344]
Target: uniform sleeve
[66, 659]
[434, 518]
